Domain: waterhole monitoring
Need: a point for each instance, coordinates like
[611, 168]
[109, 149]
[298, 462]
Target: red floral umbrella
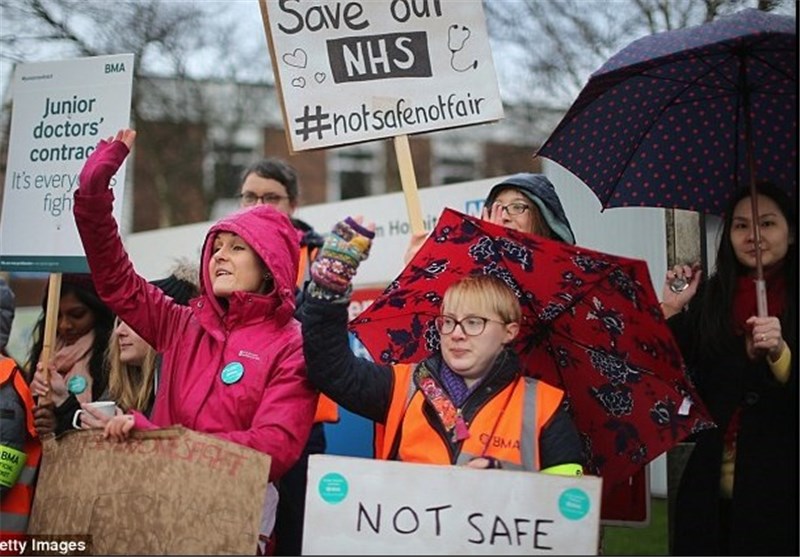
[592, 326]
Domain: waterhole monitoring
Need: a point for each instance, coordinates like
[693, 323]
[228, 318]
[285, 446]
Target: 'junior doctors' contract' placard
[366, 69]
[61, 110]
[372, 507]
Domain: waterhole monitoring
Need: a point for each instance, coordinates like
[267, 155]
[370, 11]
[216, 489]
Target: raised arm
[357, 384]
[143, 306]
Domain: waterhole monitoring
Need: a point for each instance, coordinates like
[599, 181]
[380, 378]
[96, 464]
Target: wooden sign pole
[50, 326]
[409, 182]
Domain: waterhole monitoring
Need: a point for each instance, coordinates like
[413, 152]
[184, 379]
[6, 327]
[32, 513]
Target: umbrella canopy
[683, 118]
[592, 326]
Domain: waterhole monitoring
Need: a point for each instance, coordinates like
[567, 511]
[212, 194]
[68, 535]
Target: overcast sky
[250, 35]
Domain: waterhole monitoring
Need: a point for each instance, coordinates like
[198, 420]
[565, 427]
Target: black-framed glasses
[249, 198]
[516, 208]
[472, 325]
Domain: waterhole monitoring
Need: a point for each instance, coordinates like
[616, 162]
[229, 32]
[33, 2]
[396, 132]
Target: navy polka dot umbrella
[682, 119]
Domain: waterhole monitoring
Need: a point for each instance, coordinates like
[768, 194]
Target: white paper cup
[106, 407]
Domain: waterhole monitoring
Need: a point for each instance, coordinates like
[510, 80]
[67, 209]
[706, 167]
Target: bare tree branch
[188, 42]
[559, 43]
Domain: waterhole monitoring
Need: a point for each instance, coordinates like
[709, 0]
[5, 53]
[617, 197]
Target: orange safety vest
[327, 410]
[506, 428]
[15, 507]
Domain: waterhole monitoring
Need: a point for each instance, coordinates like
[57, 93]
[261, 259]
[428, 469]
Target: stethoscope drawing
[457, 37]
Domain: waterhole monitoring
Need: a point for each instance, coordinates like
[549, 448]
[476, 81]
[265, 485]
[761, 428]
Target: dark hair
[182, 283]
[103, 326]
[717, 309]
[275, 169]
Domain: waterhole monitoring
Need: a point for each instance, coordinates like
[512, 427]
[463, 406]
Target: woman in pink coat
[233, 360]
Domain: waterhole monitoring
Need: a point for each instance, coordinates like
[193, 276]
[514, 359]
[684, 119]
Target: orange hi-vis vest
[327, 410]
[506, 427]
[15, 508]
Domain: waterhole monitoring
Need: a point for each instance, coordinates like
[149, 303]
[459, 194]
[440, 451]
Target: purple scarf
[455, 385]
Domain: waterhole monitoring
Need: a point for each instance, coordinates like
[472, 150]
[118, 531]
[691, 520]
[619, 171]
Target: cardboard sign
[167, 491]
[60, 111]
[360, 506]
[359, 70]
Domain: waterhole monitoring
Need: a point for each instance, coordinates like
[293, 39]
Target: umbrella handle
[761, 297]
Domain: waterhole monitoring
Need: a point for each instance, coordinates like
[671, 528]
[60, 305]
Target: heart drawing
[296, 59]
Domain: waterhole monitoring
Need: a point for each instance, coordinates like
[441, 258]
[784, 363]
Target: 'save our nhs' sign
[355, 71]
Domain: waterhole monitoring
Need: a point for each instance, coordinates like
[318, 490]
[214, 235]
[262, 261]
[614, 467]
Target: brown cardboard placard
[165, 491]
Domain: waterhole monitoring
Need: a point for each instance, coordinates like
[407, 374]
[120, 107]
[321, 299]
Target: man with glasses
[467, 404]
[274, 182]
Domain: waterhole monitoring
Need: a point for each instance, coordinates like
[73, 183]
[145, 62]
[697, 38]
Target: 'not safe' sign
[365, 506]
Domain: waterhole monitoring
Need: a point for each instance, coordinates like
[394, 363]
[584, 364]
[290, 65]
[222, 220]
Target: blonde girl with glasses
[468, 404]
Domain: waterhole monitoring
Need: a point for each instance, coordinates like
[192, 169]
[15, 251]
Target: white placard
[357, 506]
[361, 70]
[61, 109]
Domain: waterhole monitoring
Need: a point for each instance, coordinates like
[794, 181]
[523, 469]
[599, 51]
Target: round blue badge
[77, 384]
[232, 373]
[574, 503]
[333, 488]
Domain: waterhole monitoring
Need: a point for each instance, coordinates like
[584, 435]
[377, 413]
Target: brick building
[195, 137]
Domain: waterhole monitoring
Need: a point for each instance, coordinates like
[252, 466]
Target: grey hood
[539, 189]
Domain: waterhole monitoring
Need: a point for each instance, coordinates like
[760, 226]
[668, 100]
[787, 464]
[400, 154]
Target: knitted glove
[336, 263]
[101, 165]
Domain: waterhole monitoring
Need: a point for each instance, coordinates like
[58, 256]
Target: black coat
[764, 508]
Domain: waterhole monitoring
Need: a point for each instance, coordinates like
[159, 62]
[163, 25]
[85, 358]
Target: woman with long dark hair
[739, 491]
[78, 370]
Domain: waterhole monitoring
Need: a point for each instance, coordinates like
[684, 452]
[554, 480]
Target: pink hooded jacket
[236, 373]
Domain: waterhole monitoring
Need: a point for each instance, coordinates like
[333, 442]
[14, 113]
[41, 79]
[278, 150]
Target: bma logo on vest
[115, 68]
[499, 442]
[6, 456]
